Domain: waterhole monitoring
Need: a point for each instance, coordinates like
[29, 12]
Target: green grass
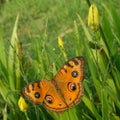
[37, 25]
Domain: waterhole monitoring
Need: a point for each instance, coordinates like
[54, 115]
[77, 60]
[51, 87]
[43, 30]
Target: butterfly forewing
[69, 80]
[73, 70]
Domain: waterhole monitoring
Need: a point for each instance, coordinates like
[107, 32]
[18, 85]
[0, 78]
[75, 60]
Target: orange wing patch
[61, 92]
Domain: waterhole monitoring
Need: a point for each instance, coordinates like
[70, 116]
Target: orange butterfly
[61, 92]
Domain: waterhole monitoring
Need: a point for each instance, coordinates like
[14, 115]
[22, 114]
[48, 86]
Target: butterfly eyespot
[37, 95]
[70, 98]
[60, 104]
[49, 99]
[71, 86]
[74, 74]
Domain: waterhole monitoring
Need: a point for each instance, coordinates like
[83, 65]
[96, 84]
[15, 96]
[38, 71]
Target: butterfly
[61, 92]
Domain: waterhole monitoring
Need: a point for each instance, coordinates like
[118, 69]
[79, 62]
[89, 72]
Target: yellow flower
[93, 18]
[60, 42]
[22, 104]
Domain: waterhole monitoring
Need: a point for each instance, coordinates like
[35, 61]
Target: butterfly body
[61, 92]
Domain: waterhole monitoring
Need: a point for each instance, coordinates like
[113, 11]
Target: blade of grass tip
[84, 28]
[55, 116]
[106, 25]
[2, 51]
[110, 15]
[4, 112]
[115, 117]
[79, 46]
[88, 90]
[45, 58]
[27, 118]
[39, 57]
[105, 105]
[69, 115]
[3, 62]
[116, 75]
[11, 58]
[64, 116]
[17, 65]
[113, 95]
[4, 92]
[72, 114]
[37, 113]
[91, 107]
[112, 90]
[87, 117]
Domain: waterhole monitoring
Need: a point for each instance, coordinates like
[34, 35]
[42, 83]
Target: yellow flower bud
[60, 42]
[93, 18]
[22, 104]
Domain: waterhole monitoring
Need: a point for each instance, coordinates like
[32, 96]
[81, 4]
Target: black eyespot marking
[27, 89]
[38, 84]
[75, 61]
[69, 65]
[37, 95]
[65, 70]
[74, 74]
[49, 99]
[71, 87]
[70, 98]
[60, 104]
[32, 87]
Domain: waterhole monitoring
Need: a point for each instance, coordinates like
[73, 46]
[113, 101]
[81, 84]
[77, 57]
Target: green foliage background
[36, 24]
